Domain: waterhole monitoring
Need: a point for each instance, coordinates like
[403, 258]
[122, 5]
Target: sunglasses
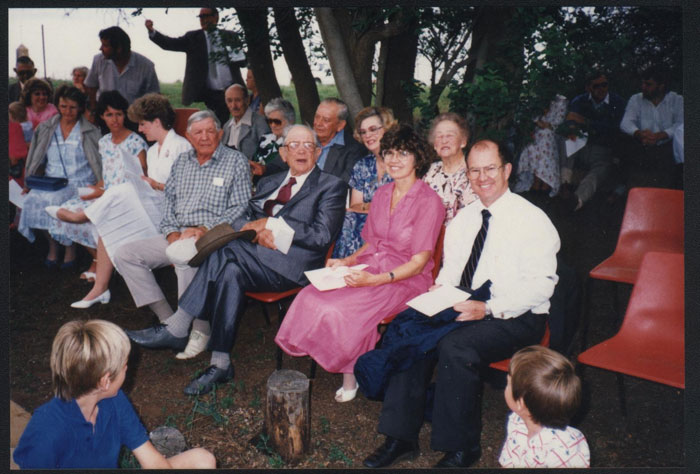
[205, 15]
[600, 85]
[272, 121]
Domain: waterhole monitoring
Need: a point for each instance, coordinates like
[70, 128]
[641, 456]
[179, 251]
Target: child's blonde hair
[18, 112]
[83, 352]
[546, 382]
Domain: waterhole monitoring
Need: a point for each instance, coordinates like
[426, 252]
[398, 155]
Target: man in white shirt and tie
[502, 238]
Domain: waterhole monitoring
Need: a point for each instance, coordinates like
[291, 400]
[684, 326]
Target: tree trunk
[400, 66]
[339, 60]
[489, 29]
[295, 56]
[287, 414]
[381, 72]
[254, 23]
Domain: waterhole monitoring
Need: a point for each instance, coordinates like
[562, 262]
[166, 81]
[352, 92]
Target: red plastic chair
[653, 221]
[505, 363]
[651, 341]
[181, 116]
[268, 297]
[437, 262]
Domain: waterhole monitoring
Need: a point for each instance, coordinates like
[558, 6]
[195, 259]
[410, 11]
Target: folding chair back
[181, 116]
[653, 221]
[651, 341]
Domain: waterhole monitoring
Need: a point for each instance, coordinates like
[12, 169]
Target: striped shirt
[206, 195]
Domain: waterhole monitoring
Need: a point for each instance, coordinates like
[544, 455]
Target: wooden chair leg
[312, 369]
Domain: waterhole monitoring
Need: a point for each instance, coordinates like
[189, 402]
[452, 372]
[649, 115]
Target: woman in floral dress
[367, 175]
[449, 135]
[538, 167]
[121, 150]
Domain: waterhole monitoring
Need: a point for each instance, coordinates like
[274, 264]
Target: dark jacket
[194, 44]
[315, 213]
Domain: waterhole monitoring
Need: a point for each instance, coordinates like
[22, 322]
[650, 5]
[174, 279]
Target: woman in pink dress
[336, 327]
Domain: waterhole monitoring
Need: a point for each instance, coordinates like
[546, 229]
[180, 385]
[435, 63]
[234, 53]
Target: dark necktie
[282, 197]
[477, 247]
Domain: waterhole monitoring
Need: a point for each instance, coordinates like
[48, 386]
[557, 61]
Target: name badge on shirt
[218, 181]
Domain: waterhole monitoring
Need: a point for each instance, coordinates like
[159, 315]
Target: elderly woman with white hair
[280, 115]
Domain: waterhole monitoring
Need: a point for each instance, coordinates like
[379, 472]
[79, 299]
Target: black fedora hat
[215, 238]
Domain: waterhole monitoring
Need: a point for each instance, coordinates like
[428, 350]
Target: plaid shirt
[206, 195]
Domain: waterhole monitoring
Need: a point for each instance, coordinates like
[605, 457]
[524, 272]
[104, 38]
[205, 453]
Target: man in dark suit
[339, 150]
[25, 70]
[311, 202]
[205, 79]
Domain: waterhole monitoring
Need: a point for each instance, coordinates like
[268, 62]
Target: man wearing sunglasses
[213, 61]
[598, 113]
[25, 70]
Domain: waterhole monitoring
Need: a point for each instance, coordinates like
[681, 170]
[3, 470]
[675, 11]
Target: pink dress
[336, 327]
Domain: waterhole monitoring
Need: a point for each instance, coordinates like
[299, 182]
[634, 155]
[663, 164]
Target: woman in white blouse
[117, 215]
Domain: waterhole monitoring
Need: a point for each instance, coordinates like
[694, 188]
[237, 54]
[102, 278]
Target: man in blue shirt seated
[85, 425]
[598, 112]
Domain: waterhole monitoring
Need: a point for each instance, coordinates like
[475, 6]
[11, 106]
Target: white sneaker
[195, 345]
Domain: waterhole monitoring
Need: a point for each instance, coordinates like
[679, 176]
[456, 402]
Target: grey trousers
[597, 160]
[135, 260]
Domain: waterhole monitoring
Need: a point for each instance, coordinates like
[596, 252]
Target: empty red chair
[653, 221]
[651, 341]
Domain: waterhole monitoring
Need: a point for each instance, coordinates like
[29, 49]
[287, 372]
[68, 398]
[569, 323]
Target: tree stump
[287, 414]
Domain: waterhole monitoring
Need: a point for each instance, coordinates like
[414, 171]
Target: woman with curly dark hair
[36, 97]
[336, 327]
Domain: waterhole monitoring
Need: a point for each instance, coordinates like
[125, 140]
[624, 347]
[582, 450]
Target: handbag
[48, 183]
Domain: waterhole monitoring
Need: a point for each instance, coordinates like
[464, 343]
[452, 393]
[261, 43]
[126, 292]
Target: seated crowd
[277, 196]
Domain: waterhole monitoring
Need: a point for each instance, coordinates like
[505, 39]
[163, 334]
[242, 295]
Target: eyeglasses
[600, 85]
[373, 129]
[25, 72]
[308, 146]
[272, 121]
[490, 171]
[400, 154]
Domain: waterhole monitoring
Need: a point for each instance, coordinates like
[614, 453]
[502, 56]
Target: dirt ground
[342, 434]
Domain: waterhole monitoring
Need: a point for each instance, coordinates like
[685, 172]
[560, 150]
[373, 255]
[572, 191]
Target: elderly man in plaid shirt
[207, 186]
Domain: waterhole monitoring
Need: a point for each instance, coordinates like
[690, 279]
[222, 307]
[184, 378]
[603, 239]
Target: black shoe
[211, 376]
[157, 337]
[391, 451]
[459, 459]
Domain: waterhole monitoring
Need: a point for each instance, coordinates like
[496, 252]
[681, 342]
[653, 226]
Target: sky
[71, 39]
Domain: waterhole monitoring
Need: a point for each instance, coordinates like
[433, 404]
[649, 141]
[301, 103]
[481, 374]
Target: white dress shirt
[519, 255]
[642, 114]
[221, 79]
[160, 158]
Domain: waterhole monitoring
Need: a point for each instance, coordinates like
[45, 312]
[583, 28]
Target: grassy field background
[173, 91]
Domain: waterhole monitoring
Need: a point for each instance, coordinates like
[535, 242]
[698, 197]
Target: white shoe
[88, 276]
[52, 211]
[83, 304]
[342, 395]
[195, 345]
